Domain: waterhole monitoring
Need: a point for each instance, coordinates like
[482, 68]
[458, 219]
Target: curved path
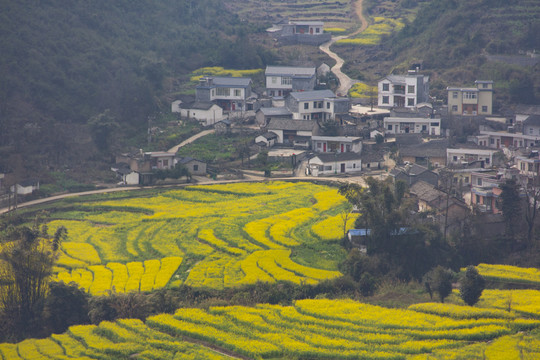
[345, 82]
[175, 148]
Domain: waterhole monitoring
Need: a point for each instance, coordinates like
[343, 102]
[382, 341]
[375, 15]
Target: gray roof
[275, 111]
[198, 105]
[227, 81]
[288, 124]
[187, 159]
[337, 138]
[433, 148]
[269, 135]
[290, 71]
[329, 157]
[313, 95]
[307, 22]
[528, 109]
[533, 120]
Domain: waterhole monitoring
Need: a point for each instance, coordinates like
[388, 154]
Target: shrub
[471, 286]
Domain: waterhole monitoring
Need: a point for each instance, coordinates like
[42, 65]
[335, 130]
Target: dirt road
[175, 148]
[345, 82]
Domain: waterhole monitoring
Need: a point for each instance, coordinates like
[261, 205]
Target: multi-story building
[403, 90]
[468, 155]
[300, 32]
[316, 105]
[281, 80]
[336, 144]
[230, 93]
[471, 101]
[395, 125]
[529, 167]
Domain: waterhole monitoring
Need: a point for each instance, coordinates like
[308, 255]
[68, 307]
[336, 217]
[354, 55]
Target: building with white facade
[466, 156]
[397, 125]
[403, 90]
[336, 144]
[334, 164]
[281, 80]
[230, 93]
[316, 105]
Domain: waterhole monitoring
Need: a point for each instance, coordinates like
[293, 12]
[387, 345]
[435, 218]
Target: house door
[343, 167]
[342, 148]
[324, 147]
[311, 31]
[233, 106]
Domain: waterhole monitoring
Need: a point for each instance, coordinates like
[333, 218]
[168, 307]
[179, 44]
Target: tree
[471, 286]
[26, 266]
[102, 127]
[439, 280]
[511, 206]
[65, 305]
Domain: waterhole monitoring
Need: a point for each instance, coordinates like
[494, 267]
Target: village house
[223, 127]
[230, 93]
[316, 105]
[395, 125]
[194, 166]
[282, 80]
[471, 101]
[464, 155]
[268, 139]
[529, 167]
[205, 112]
[412, 173]
[265, 114]
[299, 32]
[336, 144]
[334, 163]
[485, 192]
[293, 132]
[403, 90]
[500, 139]
[425, 153]
[25, 187]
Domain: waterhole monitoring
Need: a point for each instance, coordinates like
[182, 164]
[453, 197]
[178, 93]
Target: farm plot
[219, 236]
[314, 329]
[509, 274]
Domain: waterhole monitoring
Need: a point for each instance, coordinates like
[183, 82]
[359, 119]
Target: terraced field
[205, 236]
[310, 329]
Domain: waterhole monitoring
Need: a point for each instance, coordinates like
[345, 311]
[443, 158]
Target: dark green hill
[456, 40]
[63, 62]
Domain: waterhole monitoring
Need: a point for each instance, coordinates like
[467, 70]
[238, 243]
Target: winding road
[345, 82]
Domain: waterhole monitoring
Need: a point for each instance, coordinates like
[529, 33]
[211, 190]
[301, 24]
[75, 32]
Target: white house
[25, 187]
[206, 112]
[268, 139]
[316, 105]
[462, 156]
[230, 93]
[333, 144]
[403, 90]
[292, 132]
[334, 164]
[395, 125]
[281, 80]
[194, 166]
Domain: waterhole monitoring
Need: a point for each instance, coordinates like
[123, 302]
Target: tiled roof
[313, 95]
[289, 71]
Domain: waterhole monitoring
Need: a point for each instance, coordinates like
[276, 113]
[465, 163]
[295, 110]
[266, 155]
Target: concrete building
[471, 101]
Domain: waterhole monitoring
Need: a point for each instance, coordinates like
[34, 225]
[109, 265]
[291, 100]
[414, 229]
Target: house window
[484, 108]
[522, 166]
[317, 30]
[195, 167]
[455, 95]
[410, 102]
[223, 91]
[319, 145]
[487, 160]
[424, 127]
[531, 131]
[286, 80]
[469, 95]
[237, 92]
[455, 158]
[484, 86]
[328, 105]
[492, 141]
[454, 107]
[530, 167]
[390, 127]
[385, 99]
[410, 89]
[306, 106]
[478, 199]
[385, 87]
[347, 148]
[479, 181]
[466, 179]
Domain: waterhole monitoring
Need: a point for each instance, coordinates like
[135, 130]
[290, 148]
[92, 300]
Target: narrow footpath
[345, 82]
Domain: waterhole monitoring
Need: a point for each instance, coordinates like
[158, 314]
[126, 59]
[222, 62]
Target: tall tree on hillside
[511, 206]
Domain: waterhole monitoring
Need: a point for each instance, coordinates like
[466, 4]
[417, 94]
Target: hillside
[64, 64]
[456, 42]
